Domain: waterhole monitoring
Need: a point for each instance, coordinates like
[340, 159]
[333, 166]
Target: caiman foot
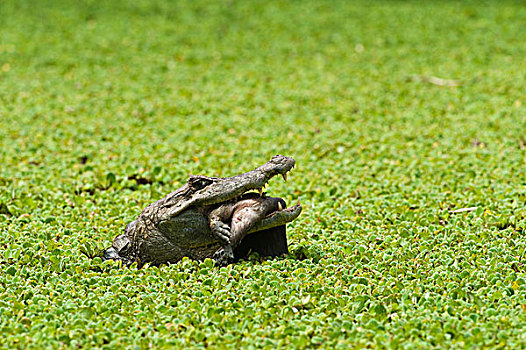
[224, 256]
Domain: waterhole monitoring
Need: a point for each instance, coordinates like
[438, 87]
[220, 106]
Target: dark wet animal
[219, 218]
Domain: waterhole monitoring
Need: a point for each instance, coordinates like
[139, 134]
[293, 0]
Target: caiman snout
[279, 164]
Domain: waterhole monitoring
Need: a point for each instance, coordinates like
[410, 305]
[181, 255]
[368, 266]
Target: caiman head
[206, 214]
[203, 190]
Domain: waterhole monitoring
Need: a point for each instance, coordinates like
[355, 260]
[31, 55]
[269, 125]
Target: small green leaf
[111, 178]
[11, 270]
[4, 210]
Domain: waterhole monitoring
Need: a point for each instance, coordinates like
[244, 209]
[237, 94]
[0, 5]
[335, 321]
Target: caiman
[219, 218]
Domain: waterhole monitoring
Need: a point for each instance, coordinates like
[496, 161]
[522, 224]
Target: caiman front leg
[221, 231]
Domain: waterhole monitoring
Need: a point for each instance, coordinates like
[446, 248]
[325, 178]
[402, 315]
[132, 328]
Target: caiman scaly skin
[209, 217]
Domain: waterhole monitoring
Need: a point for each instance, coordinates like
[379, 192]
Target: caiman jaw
[225, 189]
[280, 207]
[278, 217]
[262, 175]
[219, 190]
[260, 189]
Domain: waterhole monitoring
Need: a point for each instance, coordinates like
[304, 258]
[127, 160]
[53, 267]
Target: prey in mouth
[252, 212]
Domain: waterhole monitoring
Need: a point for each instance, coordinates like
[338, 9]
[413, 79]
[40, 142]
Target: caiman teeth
[280, 207]
[284, 177]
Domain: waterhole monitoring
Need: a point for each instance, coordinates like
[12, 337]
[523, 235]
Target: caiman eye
[198, 184]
